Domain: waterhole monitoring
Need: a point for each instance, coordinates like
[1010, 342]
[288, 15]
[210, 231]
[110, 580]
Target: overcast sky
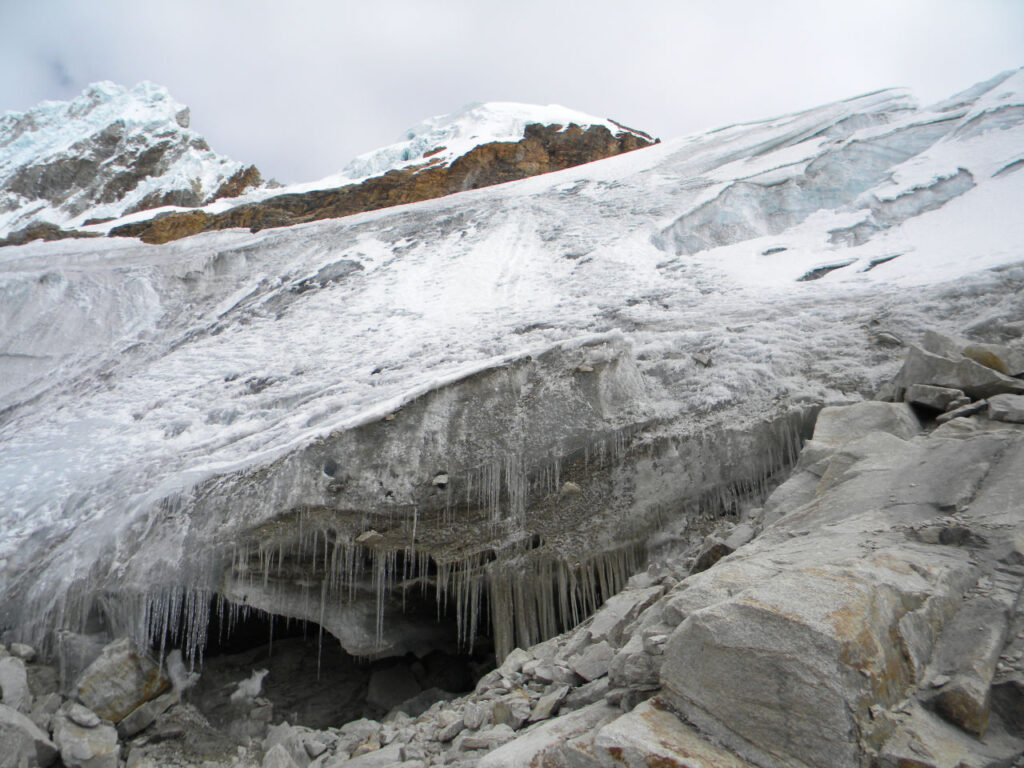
[299, 88]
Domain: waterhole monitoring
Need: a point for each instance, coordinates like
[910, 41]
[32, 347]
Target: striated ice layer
[326, 420]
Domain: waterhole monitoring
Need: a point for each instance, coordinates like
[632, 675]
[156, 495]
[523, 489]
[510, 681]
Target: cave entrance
[310, 679]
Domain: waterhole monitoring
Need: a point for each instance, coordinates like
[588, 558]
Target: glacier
[501, 400]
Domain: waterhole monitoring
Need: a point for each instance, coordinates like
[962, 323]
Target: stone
[547, 705]
[966, 655]
[14, 690]
[42, 679]
[278, 757]
[22, 651]
[587, 694]
[564, 742]
[44, 708]
[475, 715]
[976, 380]
[391, 686]
[512, 710]
[633, 667]
[651, 736]
[1006, 408]
[22, 743]
[314, 747]
[514, 662]
[740, 535]
[449, 731]
[971, 409]
[593, 662]
[80, 715]
[80, 747]
[938, 398]
[619, 610]
[119, 681]
[714, 549]
[488, 738]
[842, 424]
[387, 757]
[987, 356]
[921, 739]
[144, 715]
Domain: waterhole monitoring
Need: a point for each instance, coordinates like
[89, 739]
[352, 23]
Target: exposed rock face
[109, 152]
[41, 231]
[543, 149]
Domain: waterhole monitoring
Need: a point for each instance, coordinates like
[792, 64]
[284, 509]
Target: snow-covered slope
[152, 396]
[108, 152]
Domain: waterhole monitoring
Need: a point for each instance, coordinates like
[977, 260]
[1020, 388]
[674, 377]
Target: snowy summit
[110, 152]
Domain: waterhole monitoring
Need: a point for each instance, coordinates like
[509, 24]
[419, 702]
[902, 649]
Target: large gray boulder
[975, 379]
[119, 681]
[22, 743]
[837, 425]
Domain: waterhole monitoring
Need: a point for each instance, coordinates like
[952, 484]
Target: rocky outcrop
[110, 152]
[543, 149]
[41, 231]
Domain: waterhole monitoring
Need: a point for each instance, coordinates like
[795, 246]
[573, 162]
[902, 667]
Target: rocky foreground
[868, 614]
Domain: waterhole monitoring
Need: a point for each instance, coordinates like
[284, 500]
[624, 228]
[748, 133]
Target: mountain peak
[443, 138]
[110, 151]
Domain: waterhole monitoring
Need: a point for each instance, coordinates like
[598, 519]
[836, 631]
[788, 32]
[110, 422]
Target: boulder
[971, 409]
[964, 663]
[842, 424]
[85, 747]
[488, 738]
[1006, 408]
[976, 380]
[119, 681]
[937, 398]
[618, 611]
[547, 705]
[144, 715]
[24, 652]
[277, 757]
[563, 742]
[593, 662]
[512, 710]
[22, 743]
[14, 690]
[922, 739]
[387, 757]
[651, 736]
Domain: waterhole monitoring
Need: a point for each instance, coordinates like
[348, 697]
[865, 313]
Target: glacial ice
[241, 422]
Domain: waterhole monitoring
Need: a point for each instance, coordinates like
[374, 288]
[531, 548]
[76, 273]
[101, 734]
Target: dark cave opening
[312, 681]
